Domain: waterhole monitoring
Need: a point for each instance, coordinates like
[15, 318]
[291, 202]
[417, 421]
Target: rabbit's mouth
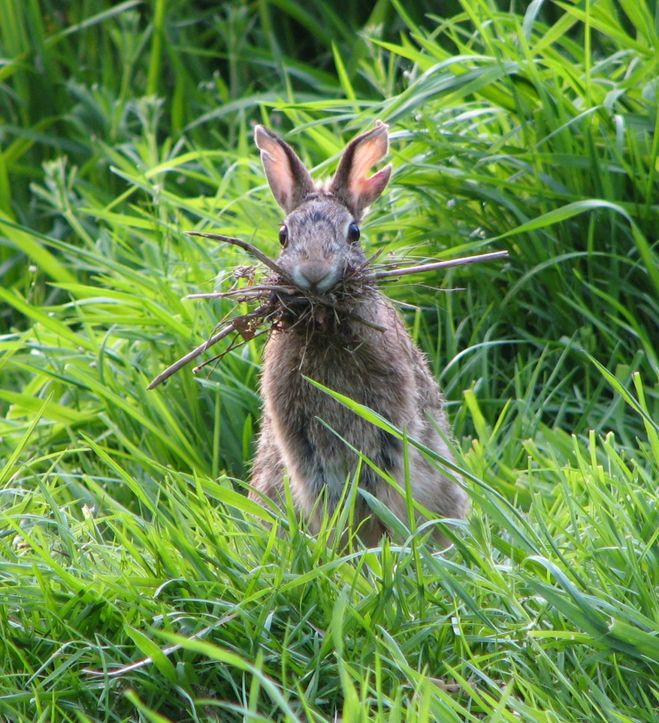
[324, 311]
[316, 278]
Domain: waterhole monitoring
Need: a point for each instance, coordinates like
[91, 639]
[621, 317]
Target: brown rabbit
[357, 346]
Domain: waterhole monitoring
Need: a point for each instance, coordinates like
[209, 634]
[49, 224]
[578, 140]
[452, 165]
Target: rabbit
[359, 348]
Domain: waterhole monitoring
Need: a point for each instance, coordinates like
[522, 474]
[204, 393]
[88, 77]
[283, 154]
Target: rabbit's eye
[353, 233]
[283, 235]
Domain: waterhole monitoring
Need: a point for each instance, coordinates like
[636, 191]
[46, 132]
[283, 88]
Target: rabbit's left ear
[288, 178]
[350, 183]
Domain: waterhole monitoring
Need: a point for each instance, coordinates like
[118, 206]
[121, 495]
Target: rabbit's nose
[315, 275]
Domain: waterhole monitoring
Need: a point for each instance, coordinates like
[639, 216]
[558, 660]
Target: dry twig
[246, 246]
[233, 325]
[281, 298]
[435, 265]
[257, 290]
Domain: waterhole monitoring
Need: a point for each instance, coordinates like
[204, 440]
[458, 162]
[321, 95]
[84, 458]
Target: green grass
[136, 579]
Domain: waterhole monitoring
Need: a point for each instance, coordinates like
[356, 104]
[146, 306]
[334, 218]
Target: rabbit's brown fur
[358, 346]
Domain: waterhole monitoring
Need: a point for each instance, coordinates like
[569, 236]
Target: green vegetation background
[136, 580]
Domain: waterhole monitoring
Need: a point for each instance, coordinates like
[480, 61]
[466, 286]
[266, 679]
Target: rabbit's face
[320, 242]
[320, 236]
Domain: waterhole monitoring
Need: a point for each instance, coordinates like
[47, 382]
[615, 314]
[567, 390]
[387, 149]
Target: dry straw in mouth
[274, 291]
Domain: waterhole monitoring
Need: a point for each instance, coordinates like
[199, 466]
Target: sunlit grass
[136, 579]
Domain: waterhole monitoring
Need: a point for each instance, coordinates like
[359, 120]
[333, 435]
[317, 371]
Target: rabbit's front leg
[268, 467]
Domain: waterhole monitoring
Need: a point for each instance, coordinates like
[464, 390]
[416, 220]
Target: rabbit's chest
[345, 363]
[370, 376]
[316, 434]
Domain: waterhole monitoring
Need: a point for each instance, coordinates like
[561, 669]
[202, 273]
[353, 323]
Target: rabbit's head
[320, 234]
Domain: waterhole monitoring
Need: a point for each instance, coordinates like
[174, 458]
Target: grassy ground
[136, 580]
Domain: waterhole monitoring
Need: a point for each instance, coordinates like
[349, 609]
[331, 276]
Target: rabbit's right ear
[351, 184]
[289, 180]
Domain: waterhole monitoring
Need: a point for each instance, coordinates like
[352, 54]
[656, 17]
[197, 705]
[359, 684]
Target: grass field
[137, 582]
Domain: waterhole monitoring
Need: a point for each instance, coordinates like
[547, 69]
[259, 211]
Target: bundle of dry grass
[283, 304]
